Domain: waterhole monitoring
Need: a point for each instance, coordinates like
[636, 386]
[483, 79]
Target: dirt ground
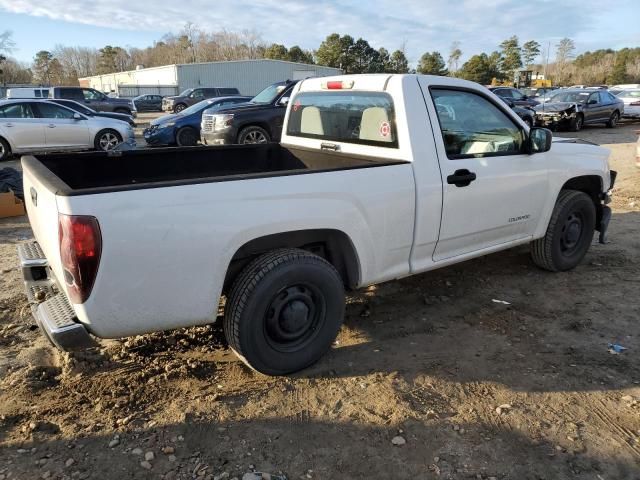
[475, 389]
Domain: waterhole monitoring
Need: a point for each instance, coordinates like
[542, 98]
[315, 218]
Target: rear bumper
[50, 307]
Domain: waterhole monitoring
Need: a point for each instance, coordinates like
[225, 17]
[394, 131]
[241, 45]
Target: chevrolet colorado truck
[377, 177]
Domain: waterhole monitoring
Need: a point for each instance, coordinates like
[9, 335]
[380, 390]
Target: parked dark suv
[191, 96]
[94, 99]
[515, 95]
[259, 121]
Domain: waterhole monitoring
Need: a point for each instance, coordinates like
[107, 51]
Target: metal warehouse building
[248, 76]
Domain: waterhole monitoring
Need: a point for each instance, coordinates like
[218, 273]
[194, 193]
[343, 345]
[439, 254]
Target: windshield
[269, 94]
[198, 107]
[571, 97]
[186, 93]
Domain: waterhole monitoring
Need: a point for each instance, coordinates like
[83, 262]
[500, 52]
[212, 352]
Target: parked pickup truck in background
[94, 99]
[377, 177]
[191, 96]
[258, 121]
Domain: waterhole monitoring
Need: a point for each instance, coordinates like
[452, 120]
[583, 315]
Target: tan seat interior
[311, 121]
[372, 120]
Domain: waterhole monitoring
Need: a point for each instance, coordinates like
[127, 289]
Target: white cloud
[424, 25]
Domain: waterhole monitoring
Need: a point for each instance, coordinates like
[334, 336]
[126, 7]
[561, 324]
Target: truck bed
[98, 172]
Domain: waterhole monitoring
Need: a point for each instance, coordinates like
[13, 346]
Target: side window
[604, 98]
[517, 95]
[91, 94]
[198, 93]
[50, 110]
[37, 93]
[472, 126]
[593, 97]
[16, 110]
[503, 92]
[228, 91]
[71, 94]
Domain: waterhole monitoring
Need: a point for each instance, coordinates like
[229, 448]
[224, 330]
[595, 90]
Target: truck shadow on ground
[315, 447]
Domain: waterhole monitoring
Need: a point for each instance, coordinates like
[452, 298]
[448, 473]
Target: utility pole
[546, 63]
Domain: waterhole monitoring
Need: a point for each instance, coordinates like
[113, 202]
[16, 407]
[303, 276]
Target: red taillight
[80, 249]
[334, 85]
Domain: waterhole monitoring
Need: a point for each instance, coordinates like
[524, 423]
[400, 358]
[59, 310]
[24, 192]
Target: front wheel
[284, 311]
[187, 137]
[178, 108]
[107, 140]
[252, 135]
[569, 233]
[613, 120]
[577, 123]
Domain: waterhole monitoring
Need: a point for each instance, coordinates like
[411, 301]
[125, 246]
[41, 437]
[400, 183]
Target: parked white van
[28, 92]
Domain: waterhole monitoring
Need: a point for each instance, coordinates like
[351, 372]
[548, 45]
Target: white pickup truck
[377, 177]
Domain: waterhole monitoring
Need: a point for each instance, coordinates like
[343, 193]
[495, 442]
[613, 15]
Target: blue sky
[421, 25]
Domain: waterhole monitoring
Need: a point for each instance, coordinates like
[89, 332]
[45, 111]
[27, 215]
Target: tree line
[64, 64]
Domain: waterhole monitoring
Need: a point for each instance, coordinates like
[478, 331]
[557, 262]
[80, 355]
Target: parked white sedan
[631, 99]
[43, 126]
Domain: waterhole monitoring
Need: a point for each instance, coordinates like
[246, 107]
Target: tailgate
[42, 209]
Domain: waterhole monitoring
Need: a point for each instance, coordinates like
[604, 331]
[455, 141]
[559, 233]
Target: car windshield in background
[186, 93]
[198, 107]
[353, 117]
[571, 97]
[269, 94]
[629, 94]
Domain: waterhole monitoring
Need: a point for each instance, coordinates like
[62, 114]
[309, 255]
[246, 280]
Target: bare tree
[454, 56]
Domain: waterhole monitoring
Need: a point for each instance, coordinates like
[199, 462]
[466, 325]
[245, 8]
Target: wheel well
[332, 245]
[109, 130]
[592, 186]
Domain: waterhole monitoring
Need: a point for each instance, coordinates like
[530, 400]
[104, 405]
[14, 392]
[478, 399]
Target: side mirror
[284, 101]
[77, 116]
[539, 140]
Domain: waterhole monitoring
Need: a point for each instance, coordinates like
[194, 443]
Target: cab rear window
[365, 118]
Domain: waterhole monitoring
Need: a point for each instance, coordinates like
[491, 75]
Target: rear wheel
[613, 120]
[252, 135]
[5, 150]
[569, 233]
[577, 123]
[284, 311]
[178, 108]
[187, 137]
[107, 140]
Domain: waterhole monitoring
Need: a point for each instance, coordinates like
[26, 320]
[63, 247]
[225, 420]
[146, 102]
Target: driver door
[493, 192]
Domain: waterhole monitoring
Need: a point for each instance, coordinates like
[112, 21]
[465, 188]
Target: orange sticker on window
[385, 129]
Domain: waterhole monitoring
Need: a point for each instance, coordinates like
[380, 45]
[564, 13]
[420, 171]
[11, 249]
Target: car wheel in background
[284, 311]
[252, 135]
[577, 123]
[5, 150]
[569, 233]
[187, 137]
[613, 121]
[178, 108]
[107, 140]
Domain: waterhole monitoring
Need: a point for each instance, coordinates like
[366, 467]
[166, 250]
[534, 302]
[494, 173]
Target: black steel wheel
[569, 234]
[187, 137]
[284, 311]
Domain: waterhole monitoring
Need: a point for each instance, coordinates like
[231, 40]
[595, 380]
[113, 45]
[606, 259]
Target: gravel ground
[429, 378]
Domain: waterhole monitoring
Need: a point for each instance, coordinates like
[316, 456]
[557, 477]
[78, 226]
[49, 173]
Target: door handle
[461, 178]
[8, 124]
[51, 125]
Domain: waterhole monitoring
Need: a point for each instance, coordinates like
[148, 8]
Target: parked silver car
[631, 99]
[42, 126]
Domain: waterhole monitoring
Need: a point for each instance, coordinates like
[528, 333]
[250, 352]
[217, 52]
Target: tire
[187, 137]
[253, 135]
[5, 150]
[577, 123]
[569, 234]
[179, 107]
[106, 140]
[122, 110]
[277, 292]
[613, 121]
